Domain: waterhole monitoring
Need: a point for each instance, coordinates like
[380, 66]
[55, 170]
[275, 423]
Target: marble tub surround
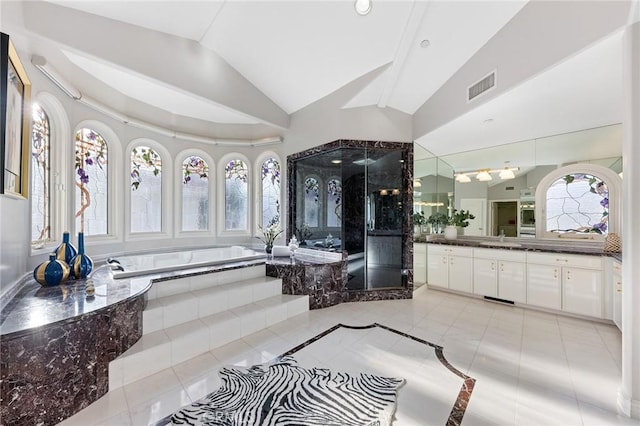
[56, 345]
[321, 275]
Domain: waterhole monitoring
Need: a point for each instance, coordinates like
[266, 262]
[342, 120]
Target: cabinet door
[544, 286]
[485, 277]
[438, 270]
[582, 291]
[512, 283]
[419, 263]
[461, 273]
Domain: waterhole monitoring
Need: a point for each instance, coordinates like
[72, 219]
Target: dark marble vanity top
[308, 257]
[534, 245]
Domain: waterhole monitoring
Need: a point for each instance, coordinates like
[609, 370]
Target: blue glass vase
[51, 272]
[65, 251]
[81, 265]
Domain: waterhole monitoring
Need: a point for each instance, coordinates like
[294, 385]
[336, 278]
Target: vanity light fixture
[483, 176]
[384, 192]
[363, 7]
[506, 173]
[395, 191]
[463, 178]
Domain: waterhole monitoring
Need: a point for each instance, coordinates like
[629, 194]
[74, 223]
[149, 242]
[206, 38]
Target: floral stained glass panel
[270, 192]
[334, 202]
[146, 190]
[578, 203]
[311, 202]
[40, 184]
[195, 194]
[91, 182]
[236, 187]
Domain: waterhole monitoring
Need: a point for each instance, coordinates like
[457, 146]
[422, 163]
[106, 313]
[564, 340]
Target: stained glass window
[236, 187]
[40, 184]
[334, 202]
[311, 202]
[579, 203]
[270, 192]
[91, 182]
[146, 190]
[195, 194]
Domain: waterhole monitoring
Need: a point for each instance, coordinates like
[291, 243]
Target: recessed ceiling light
[363, 7]
[336, 161]
[425, 43]
[364, 161]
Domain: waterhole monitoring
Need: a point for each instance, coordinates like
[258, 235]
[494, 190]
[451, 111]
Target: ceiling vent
[482, 86]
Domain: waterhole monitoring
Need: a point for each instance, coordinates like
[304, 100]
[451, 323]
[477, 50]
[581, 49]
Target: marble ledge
[34, 306]
[530, 245]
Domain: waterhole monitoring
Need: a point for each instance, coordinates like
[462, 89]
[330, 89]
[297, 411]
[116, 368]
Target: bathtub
[142, 264]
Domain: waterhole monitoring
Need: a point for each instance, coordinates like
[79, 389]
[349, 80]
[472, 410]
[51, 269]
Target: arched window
[236, 191]
[91, 182]
[195, 194]
[311, 202]
[334, 202]
[40, 183]
[270, 170]
[146, 190]
[578, 201]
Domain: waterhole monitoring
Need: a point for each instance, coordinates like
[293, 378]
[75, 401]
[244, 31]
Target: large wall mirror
[505, 203]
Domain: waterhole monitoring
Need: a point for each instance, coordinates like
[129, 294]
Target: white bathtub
[143, 264]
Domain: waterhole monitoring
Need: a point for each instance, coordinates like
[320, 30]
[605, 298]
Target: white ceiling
[583, 92]
[294, 52]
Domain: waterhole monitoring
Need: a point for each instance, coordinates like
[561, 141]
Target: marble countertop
[301, 260]
[536, 245]
[34, 306]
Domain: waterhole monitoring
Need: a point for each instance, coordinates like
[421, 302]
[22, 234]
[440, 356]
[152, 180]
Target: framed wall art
[15, 89]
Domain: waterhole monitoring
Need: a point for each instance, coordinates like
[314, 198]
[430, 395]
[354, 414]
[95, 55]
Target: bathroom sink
[499, 244]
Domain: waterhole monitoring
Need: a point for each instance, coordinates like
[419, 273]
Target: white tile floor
[531, 368]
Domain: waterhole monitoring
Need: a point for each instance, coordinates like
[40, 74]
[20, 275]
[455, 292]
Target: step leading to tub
[214, 312]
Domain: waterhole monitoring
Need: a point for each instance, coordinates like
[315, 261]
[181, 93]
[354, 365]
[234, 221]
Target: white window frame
[220, 211]
[166, 219]
[183, 155]
[59, 134]
[614, 185]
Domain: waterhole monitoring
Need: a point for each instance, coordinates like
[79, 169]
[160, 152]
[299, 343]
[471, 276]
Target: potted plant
[457, 221]
[436, 220]
[269, 235]
[419, 220]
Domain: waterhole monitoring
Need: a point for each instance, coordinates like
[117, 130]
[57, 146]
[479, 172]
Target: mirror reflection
[498, 184]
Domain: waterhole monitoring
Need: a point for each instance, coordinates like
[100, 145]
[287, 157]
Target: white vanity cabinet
[450, 267]
[500, 273]
[617, 293]
[572, 283]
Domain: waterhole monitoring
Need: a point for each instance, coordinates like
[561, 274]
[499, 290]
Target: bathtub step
[169, 311]
[199, 282]
[164, 348]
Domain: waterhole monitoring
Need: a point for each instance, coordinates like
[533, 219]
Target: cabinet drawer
[441, 249]
[509, 255]
[561, 259]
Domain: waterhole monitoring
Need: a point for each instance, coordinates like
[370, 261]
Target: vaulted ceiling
[244, 67]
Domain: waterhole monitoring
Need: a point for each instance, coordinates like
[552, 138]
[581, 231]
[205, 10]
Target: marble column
[629, 393]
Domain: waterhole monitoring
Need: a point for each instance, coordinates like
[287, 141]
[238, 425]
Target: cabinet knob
[555, 273]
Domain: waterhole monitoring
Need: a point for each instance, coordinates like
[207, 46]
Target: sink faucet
[502, 235]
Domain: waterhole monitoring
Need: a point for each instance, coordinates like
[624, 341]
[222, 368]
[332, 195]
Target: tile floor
[532, 368]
